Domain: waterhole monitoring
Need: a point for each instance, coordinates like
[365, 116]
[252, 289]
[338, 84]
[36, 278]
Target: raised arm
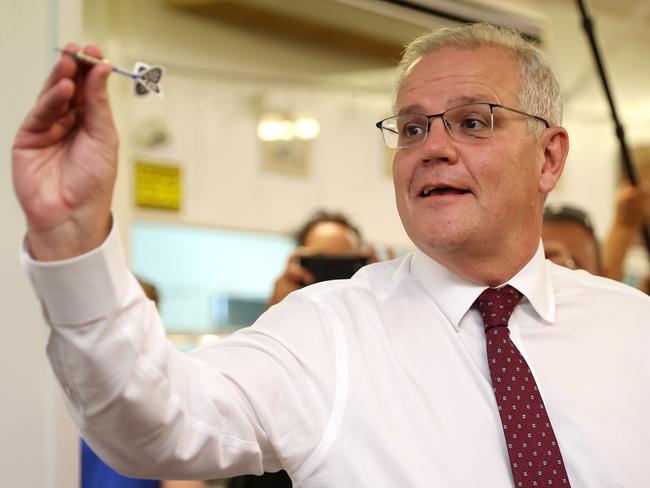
[144, 407]
[64, 161]
[632, 211]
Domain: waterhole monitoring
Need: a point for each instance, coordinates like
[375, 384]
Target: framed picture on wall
[287, 156]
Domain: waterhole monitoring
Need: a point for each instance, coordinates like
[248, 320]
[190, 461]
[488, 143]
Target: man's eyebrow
[451, 102]
[470, 99]
[411, 109]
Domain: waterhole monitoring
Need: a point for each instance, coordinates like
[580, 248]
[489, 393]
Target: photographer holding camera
[328, 246]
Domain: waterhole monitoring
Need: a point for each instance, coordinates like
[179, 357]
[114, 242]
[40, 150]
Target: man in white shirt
[378, 381]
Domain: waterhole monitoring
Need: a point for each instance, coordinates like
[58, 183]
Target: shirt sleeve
[256, 401]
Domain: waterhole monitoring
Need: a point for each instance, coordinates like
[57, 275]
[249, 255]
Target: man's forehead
[453, 76]
[469, 60]
[427, 97]
[453, 101]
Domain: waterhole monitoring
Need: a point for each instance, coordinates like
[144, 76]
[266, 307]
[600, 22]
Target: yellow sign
[157, 185]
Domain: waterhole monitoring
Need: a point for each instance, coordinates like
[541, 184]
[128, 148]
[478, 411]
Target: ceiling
[374, 28]
[380, 28]
[329, 23]
[632, 8]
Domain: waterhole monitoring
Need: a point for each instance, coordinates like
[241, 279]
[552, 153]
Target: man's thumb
[97, 111]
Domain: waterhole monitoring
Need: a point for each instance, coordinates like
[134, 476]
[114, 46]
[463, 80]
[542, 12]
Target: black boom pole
[628, 167]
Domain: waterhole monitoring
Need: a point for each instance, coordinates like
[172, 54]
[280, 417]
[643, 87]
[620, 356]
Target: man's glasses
[466, 123]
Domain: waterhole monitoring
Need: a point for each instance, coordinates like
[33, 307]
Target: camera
[327, 267]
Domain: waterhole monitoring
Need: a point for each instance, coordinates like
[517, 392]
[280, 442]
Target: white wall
[38, 445]
[216, 74]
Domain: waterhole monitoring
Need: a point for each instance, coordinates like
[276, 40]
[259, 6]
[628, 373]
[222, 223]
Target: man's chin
[441, 245]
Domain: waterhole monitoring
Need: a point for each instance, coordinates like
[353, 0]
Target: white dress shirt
[378, 381]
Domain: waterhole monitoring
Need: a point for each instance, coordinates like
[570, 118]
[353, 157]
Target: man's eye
[412, 130]
[473, 123]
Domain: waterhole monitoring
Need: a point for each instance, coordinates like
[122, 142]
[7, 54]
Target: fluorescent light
[275, 129]
[307, 128]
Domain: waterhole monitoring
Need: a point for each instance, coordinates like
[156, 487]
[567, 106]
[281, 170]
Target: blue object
[95, 473]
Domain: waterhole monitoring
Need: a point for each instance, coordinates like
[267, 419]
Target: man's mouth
[441, 190]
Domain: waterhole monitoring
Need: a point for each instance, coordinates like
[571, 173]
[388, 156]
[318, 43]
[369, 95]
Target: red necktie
[533, 450]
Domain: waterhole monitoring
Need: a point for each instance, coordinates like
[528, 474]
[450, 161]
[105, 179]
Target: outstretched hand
[64, 161]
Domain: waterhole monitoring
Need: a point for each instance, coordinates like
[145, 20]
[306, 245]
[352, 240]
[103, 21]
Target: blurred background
[268, 114]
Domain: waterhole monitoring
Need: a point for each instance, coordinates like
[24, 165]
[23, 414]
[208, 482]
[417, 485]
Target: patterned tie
[533, 450]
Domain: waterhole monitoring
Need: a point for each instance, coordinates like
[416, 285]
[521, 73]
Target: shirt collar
[455, 296]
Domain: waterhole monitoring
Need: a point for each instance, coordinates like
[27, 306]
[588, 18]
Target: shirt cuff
[83, 288]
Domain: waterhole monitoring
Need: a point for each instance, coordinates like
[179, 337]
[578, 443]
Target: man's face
[569, 244]
[487, 195]
[332, 238]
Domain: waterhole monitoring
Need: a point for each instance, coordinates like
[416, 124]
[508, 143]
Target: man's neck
[485, 269]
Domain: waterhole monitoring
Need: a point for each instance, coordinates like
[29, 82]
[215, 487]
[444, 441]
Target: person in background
[570, 240]
[325, 233]
[631, 213]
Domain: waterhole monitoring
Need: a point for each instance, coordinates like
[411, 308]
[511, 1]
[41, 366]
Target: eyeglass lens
[465, 123]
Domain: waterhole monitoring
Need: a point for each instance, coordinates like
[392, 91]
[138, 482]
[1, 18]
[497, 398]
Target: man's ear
[555, 144]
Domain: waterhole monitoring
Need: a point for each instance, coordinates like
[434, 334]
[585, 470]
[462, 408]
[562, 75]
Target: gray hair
[540, 91]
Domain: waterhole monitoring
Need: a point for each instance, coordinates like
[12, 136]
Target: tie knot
[496, 305]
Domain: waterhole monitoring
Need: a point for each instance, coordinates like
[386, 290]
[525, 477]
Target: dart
[147, 78]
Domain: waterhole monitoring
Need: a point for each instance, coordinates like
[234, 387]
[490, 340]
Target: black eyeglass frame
[441, 115]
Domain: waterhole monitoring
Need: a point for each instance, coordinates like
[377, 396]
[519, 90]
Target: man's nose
[438, 145]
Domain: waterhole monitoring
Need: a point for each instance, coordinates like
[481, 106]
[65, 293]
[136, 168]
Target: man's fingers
[373, 255]
[99, 118]
[91, 95]
[66, 67]
[298, 274]
[85, 69]
[49, 109]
